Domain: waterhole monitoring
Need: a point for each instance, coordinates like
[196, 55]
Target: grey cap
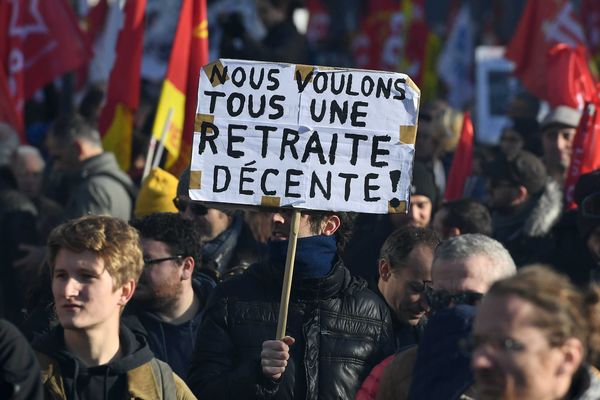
[561, 115]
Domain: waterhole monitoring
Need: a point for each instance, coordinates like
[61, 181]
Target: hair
[403, 240]
[27, 150]
[111, 239]
[68, 128]
[564, 311]
[182, 236]
[343, 233]
[469, 216]
[472, 244]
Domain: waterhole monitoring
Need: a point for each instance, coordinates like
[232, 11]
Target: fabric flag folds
[543, 24]
[576, 84]
[462, 162]
[39, 42]
[122, 97]
[586, 150]
[180, 88]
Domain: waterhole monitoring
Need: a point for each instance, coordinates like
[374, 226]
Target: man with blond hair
[95, 263]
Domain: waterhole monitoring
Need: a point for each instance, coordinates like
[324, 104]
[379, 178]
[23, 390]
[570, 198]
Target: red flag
[576, 84]
[180, 88]
[586, 150]
[462, 162]
[122, 97]
[544, 23]
[39, 41]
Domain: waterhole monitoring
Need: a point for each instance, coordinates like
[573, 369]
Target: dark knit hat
[423, 182]
[523, 169]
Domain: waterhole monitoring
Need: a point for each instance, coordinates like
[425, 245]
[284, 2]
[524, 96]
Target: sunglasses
[183, 204]
[441, 299]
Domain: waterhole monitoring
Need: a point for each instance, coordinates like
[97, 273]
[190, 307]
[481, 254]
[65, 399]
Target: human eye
[58, 274]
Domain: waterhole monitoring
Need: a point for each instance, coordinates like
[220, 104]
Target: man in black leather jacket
[337, 329]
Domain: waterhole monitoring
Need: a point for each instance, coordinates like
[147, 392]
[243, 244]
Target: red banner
[39, 41]
[586, 150]
[462, 162]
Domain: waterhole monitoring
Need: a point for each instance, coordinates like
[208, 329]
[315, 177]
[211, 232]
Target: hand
[274, 357]
[33, 258]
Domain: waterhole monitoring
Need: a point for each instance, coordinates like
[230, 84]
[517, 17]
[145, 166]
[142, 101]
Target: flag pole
[287, 276]
[149, 157]
[163, 136]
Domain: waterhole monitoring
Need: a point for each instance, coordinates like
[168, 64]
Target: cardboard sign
[304, 136]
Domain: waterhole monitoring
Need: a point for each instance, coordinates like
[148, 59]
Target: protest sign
[304, 136]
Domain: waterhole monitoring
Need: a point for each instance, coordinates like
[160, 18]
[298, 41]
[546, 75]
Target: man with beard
[169, 301]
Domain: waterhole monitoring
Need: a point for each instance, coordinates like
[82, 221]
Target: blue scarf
[314, 255]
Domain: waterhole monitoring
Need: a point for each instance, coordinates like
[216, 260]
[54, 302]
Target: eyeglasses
[441, 299]
[154, 261]
[182, 205]
[590, 206]
[497, 344]
[418, 286]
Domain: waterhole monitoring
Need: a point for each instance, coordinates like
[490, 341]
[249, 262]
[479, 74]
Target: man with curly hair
[172, 291]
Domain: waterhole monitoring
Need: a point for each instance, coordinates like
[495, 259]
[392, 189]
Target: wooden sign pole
[287, 276]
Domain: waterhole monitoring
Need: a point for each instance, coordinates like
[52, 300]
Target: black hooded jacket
[102, 382]
[342, 331]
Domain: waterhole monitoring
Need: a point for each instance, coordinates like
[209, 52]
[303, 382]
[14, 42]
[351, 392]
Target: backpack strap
[51, 376]
[153, 380]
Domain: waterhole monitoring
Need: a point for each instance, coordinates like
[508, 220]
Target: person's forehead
[468, 273]
[71, 260]
[559, 129]
[504, 313]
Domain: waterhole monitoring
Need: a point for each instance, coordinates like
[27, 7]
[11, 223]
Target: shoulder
[364, 299]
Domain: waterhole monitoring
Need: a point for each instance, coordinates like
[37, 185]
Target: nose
[277, 218]
[187, 213]
[414, 213]
[71, 288]
[480, 358]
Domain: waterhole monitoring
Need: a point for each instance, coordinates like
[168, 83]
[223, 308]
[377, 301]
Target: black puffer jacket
[342, 331]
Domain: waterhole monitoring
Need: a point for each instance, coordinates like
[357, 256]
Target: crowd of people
[113, 286]
[118, 289]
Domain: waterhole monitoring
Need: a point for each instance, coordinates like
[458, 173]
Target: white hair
[472, 244]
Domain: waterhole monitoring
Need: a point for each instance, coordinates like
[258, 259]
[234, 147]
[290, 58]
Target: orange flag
[462, 162]
[123, 95]
[180, 87]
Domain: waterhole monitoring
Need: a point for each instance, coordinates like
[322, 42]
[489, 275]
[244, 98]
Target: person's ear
[454, 231]
[521, 195]
[79, 148]
[127, 291]
[330, 225]
[187, 270]
[385, 272]
[572, 350]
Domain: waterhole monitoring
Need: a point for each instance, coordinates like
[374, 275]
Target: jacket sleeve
[183, 392]
[218, 370]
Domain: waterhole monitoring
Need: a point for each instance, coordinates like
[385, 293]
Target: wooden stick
[163, 136]
[287, 276]
[149, 157]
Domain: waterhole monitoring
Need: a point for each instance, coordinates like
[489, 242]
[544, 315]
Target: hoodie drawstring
[74, 394]
[105, 382]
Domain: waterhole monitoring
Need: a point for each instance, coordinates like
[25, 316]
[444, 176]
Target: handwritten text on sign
[304, 136]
